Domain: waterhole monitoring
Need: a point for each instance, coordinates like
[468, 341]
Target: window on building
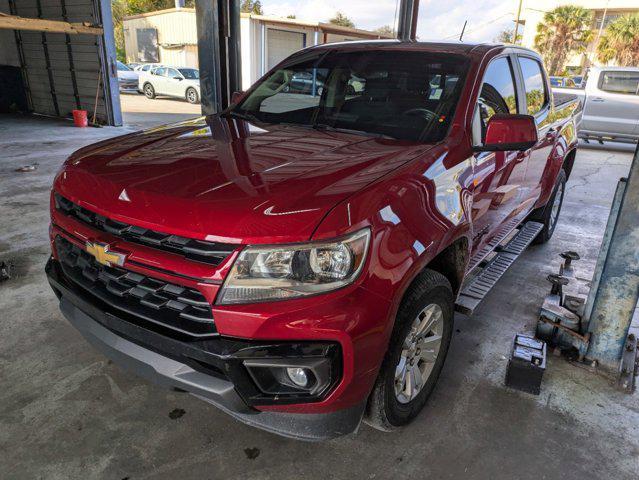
[620, 82]
[534, 84]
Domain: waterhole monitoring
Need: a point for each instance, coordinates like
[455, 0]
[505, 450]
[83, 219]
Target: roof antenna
[461, 35]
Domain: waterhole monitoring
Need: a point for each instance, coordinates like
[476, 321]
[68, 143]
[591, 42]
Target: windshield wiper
[323, 127]
[242, 116]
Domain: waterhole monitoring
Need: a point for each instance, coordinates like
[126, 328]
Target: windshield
[122, 67]
[190, 73]
[398, 94]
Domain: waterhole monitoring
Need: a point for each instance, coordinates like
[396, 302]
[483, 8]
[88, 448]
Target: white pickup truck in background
[610, 104]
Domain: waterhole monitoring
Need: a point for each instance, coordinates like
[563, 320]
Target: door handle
[598, 99]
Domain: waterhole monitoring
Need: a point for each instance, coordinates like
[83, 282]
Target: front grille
[178, 308]
[198, 250]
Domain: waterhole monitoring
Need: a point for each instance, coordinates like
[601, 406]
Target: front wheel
[549, 215]
[416, 353]
[192, 96]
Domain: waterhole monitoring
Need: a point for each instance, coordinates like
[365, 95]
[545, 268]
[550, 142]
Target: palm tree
[565, 30]
[620, 42]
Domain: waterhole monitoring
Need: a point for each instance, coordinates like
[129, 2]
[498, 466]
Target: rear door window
[619, 82]
[534, 84]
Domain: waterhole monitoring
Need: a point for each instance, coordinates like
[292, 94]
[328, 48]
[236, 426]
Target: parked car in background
[127, 79]
[132, 65]
[567, 82]
[297, 263]
[610, 102]
[172, 82]
[145, 67]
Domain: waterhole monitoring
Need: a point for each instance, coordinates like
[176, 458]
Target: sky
[438, 19]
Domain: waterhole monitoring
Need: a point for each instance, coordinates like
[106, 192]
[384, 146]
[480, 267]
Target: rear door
[613, 106]
[537, 103]
[498, 176]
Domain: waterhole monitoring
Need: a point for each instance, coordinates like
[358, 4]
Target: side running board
[476, 289]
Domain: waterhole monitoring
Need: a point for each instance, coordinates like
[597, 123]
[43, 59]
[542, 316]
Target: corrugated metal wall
[174, 27]
[62, 71]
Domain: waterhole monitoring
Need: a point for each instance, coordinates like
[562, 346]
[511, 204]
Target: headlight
[282, 272]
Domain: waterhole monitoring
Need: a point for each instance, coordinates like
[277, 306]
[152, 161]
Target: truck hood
[225, 180]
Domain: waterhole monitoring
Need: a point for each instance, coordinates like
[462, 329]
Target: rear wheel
[549, 215]
[149, 91]
[192, 96]
[416, 353]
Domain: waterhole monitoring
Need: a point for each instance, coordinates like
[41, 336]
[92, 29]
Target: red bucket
[80, 118]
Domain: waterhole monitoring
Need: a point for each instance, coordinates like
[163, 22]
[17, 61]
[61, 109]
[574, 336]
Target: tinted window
[172, 73]
[534, 84]
[190, 73]
[498, 93]
[400, 94]
[122, 67]
[159, 71]
[620, 82]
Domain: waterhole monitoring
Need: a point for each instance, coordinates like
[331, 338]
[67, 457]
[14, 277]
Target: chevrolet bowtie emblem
[104, 256]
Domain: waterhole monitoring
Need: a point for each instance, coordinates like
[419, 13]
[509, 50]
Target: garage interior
[68, 412]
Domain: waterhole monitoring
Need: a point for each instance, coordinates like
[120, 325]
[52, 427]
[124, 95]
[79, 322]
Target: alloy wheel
[419, 353]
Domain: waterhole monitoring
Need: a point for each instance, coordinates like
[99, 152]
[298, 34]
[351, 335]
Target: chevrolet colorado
[295, 259]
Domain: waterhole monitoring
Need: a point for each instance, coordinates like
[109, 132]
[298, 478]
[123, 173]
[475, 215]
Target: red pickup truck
[296, 260]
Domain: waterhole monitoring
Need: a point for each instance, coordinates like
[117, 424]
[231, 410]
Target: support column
[218, 32]
[407, 22]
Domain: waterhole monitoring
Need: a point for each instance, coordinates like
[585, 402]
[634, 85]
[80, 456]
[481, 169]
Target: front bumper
[211, 370]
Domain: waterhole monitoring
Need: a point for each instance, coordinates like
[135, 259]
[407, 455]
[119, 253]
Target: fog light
[298, 376]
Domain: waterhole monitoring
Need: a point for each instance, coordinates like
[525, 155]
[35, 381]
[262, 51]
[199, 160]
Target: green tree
[506, 36]
[620, 42]
[252, 6]
[564, 31]
[385, 30]
[341, 20]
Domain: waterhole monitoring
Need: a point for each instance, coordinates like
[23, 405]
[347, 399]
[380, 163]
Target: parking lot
[141, 112]
[67, 412]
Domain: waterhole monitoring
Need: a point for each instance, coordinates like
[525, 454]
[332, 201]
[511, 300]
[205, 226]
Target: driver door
[174, 82]
[498, 176]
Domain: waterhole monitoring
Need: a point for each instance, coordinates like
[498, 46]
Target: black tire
[191, 95]
[549, 215]
[149, 91]
[385, 411]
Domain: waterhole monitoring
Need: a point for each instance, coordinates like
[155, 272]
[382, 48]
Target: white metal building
[170, 37]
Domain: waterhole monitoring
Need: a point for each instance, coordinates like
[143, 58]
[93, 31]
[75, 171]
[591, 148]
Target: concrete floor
[66, 412]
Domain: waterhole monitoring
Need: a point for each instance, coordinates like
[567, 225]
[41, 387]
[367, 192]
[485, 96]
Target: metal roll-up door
[281, 43]
[64, 72]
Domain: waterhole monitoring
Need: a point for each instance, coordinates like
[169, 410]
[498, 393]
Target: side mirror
[509, 132]
[237, 97]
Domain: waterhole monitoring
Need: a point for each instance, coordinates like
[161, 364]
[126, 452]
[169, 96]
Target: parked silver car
[172, 82]
[127, 79]
[610, 103]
